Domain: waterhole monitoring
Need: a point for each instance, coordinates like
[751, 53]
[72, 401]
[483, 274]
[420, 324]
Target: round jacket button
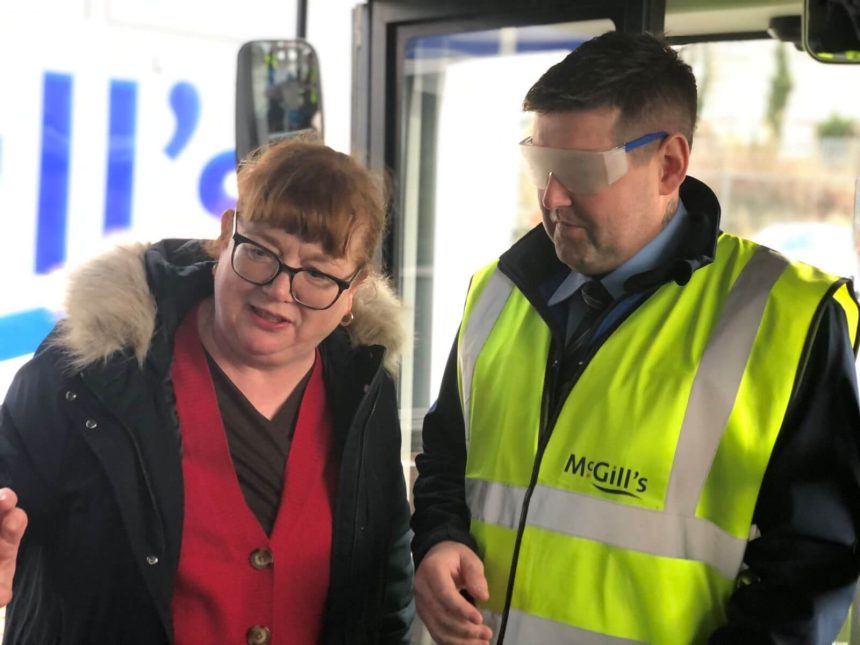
[261, 558]
[71, 396]
[151, 560]
[259, 635]
[91, 424]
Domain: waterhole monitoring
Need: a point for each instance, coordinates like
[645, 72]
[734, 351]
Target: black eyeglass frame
[238, 238]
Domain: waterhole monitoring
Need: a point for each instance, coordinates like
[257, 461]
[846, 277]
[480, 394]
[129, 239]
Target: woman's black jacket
[89, 440]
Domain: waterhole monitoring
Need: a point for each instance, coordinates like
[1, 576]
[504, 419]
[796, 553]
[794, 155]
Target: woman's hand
[13, 521]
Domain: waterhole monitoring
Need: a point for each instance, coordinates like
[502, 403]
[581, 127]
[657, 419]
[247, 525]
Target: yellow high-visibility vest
[634, 516]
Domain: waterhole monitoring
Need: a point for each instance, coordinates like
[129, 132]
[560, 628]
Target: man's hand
[448, 568]
[13, 521]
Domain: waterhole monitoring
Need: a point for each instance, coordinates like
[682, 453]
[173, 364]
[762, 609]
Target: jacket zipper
[356, 495]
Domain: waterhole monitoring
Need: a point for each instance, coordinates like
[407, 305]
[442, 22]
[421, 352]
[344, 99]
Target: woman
[209, 452]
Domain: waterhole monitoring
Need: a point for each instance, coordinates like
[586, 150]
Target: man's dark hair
[639, 74]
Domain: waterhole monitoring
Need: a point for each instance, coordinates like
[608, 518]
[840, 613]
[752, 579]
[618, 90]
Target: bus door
[438, 89]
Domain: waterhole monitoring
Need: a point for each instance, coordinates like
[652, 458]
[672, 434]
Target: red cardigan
[235, 584]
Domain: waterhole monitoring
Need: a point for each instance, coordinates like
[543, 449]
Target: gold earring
[214, 268]
[346, 321]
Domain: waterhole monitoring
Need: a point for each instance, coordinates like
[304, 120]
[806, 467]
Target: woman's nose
[281, 287]
[555, 195]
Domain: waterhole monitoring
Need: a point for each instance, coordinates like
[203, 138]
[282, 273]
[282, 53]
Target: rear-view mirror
[278, 93]
[831, 30]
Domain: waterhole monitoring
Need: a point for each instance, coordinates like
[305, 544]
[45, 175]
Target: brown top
[258, 446]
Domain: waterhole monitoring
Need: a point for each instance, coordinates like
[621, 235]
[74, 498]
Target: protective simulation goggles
[581, 171]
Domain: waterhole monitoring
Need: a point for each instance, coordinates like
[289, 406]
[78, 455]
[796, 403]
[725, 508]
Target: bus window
[464, 198]
[778, 140]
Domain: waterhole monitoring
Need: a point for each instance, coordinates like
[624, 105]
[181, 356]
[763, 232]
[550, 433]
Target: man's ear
[674, 158]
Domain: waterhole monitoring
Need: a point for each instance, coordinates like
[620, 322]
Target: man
[647, 430]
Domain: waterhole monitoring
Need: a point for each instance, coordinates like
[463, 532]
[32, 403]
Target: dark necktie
[595, 298]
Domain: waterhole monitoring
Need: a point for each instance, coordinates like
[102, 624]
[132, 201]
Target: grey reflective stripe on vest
[484, 315]
[677, 532]
[625, 527]
[718, 378]
[528, 629]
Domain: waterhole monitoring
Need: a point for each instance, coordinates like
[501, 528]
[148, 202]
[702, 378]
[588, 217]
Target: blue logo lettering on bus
[212, 194]
[54, 172]
[121, 140]
[185, 103]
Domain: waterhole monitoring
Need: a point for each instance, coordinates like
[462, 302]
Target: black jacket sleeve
[19, 472]
[440, 491]
[398, 605]
[803, 566]
[390, 506]
[33, 443]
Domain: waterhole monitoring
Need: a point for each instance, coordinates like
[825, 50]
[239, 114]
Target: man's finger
[459, 617]
[432, 615]
[474, 579]
[445, 613]
[455, 604]
[447, 629]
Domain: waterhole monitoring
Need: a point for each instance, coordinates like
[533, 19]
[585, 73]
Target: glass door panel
[465, 195]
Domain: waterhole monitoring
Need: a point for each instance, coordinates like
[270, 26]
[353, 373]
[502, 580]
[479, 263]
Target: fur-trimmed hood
[110, 307]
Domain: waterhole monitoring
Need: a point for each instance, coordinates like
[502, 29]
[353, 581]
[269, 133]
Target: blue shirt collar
[658, 251]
